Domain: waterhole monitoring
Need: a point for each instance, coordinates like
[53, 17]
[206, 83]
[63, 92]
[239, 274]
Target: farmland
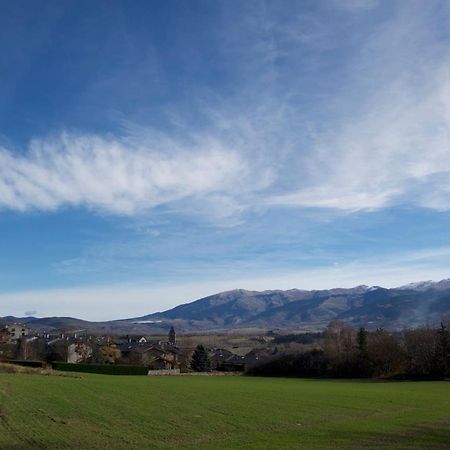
[114, 412]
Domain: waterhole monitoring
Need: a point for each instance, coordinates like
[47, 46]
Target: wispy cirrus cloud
[388, 143]
[286, 121]
[121, 176]
[377, 136]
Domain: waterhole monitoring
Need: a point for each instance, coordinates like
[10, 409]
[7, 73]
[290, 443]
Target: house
[155, 356]
[220, 356]
[131, 352]
[79, 352]
[161, 363]
[160, 357]
[16, 331]
[224, 360]
[4, 336]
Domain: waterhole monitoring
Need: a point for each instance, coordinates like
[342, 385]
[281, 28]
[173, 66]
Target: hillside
[406, 306]
[411, 305]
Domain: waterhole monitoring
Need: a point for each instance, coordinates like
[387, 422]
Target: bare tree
[420, 346]
[385, 354]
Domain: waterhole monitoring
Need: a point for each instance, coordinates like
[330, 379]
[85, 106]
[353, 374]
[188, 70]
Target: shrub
[103, 369]
[38, 364]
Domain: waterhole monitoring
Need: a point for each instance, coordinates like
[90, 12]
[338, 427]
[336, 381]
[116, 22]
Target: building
[79, 352]
[160, 357]
[219, 357]
[4, 336]
[224, 360]
[155, 356]
[16, 331]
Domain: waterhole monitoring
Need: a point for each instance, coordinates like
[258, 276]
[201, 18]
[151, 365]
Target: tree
[361, 341]
[443, 351]
[339, 348]
[200, 360]
[57, 351]
[385, 354]
[363, 352]
[172, 336]
[339, 339]
[420, 347]
[111, 355]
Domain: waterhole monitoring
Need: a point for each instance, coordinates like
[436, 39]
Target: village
[168, 354]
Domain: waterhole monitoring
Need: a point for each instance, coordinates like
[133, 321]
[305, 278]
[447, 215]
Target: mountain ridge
[410, 305]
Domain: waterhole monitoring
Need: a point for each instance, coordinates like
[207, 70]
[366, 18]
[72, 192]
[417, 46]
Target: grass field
[118, 412]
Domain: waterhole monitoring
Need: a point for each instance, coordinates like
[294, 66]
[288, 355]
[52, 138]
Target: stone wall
[164, 372]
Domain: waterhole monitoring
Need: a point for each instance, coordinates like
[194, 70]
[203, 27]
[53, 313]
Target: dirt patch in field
[14, 368]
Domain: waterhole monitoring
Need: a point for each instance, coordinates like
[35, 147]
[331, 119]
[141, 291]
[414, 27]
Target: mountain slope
[407, 306]
[410, 305]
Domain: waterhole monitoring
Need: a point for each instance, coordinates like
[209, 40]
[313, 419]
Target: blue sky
[155, 152]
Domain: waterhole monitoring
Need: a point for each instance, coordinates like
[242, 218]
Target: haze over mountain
[411, 305]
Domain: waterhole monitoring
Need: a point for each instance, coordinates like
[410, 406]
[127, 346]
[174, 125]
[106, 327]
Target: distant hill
[407, 306]
[52, 324]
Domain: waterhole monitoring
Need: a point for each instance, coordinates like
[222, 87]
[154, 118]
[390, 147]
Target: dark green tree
[361, 340]
[443, 351]
[200, 360]
[363, 352]
[172, 336]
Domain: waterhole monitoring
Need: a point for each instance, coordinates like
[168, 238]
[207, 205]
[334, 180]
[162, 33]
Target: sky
[152, 153]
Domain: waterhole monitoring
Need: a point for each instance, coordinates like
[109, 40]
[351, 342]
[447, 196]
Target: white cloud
[118, 176]
[382, 140]
[389, 142]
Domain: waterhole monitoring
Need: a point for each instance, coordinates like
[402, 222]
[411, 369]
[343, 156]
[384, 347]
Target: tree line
[344, 352]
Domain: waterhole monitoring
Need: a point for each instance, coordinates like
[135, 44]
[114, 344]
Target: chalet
[155, 356]
[224, 360]
[219, 357]
[160, 357]
[162, 363]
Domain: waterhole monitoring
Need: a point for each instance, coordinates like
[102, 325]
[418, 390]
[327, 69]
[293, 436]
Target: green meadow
[125, 412]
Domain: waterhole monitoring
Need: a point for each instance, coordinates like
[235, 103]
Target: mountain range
[412, 305]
